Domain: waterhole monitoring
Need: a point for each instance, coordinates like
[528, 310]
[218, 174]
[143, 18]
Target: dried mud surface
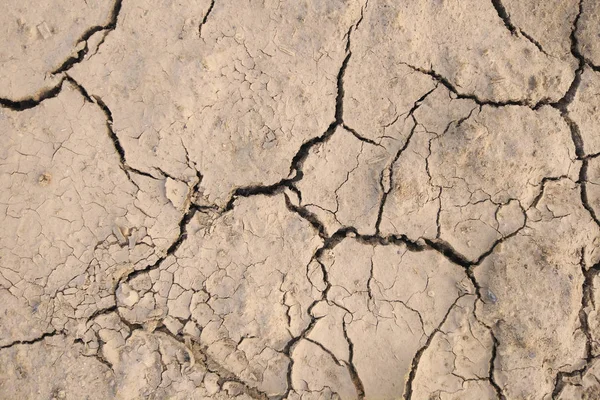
[332, 199]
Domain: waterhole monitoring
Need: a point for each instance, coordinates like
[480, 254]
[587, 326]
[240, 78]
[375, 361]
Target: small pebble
[492, 296]
[44, 179]
[44, 30]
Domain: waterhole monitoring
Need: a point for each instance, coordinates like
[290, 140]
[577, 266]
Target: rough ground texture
[330, 199]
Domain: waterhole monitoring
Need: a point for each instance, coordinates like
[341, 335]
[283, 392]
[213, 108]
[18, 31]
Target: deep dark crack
[358, 384]
[205, 18]
[34, 101]
[44, 94]
[32, 341]
[563, 104]
[505, 16]
[76, 59]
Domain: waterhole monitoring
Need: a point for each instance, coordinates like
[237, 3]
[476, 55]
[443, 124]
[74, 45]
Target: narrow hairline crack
[390, 168]
[408, 388]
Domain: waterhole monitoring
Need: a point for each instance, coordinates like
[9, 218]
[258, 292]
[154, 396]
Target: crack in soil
[329, 242]
[35, 100]
[505, 17]
[108, 27]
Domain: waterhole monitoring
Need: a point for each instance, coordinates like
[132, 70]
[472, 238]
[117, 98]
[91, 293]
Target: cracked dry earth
[313, 199]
